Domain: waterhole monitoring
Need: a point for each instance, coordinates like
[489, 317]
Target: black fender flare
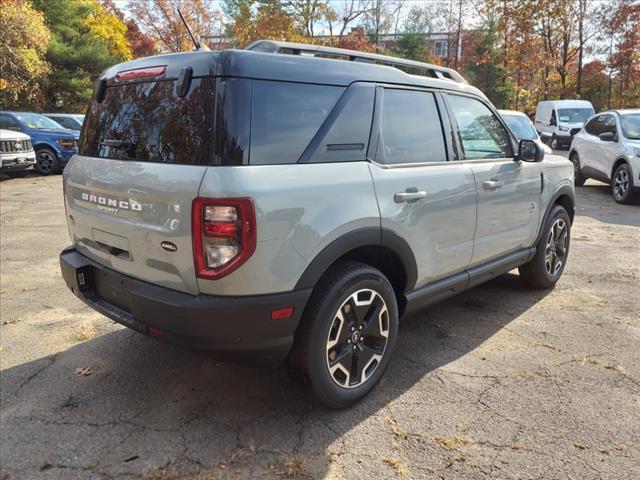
[363, 237]
[564, 190]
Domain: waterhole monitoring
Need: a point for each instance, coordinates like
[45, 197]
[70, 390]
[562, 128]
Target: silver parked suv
[293, 202]
[608, 149]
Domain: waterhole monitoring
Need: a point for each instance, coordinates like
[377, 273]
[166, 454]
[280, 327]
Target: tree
[78, 52]
[159, 19]
[483, 66]
[140, 44]
[24, 38]
[351, 10]
[412, 46]
[254, 20]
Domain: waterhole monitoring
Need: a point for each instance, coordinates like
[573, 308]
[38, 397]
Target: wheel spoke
[357, 338]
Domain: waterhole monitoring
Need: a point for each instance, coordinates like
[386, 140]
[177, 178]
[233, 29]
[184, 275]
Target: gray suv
[292, 202]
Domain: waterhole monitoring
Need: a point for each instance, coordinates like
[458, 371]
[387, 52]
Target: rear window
[285, 117]
[150, 122]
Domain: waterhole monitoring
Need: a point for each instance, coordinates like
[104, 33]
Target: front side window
[594, 126]
[481, 133]
[411, 131]
[285, 117]
[609, 124]
[8, 123]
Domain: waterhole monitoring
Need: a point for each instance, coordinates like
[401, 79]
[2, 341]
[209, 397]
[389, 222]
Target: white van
[558, 120]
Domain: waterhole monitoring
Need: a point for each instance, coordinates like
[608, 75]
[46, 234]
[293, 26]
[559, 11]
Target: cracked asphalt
[501, 382]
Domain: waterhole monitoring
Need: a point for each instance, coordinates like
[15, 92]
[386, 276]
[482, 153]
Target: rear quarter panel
[300, 209]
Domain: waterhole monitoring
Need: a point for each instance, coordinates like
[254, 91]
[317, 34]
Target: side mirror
[607, 137]
[530, 151]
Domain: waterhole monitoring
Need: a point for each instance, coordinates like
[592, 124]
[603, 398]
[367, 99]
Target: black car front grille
[15, 146]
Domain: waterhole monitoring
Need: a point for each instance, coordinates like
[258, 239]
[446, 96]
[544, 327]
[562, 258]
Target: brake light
[224, 235]
[138, 73]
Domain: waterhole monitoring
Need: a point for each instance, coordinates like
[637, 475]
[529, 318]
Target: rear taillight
[224, 235]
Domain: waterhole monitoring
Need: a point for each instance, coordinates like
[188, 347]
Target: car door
[508, 191]
[607, 150]
[423, 195]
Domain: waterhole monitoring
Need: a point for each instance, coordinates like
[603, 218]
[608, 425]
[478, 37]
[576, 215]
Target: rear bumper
[237, 328]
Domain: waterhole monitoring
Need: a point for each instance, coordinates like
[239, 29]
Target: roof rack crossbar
[426, 69]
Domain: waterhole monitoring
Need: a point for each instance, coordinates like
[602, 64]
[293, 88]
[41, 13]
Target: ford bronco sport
[293, 202]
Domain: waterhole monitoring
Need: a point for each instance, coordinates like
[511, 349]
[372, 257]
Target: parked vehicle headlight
[563, 128]
[67, 143]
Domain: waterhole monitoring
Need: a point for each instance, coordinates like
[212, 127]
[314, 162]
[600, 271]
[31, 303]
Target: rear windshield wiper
[119, 144]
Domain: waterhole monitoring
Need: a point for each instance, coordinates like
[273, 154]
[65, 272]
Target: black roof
[258, 64]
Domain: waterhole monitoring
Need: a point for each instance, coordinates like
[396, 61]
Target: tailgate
[134, 217]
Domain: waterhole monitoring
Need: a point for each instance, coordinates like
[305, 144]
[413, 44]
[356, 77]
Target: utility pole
[458, 34]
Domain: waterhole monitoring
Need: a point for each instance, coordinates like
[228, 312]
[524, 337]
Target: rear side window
[481, 133]
[150, 122]
[410, 126]
[285, 117]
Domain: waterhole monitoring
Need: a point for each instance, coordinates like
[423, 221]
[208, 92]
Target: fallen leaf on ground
[398, 466]
[84, 371]
[453, 442]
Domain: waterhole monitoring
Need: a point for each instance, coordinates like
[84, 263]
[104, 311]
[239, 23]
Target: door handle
[492, 184]
[411, 196]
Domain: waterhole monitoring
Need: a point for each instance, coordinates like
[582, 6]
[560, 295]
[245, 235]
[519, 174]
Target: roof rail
[408, 66]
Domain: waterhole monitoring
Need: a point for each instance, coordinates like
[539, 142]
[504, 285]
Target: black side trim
[442, 289]
[364, 237]
[565, 190]
[595, 174]
[495, 268]
[435, 292]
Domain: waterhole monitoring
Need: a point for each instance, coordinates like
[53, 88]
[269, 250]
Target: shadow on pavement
[149, 406]
[594, 200]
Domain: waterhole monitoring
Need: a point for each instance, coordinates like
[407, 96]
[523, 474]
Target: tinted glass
[347, 137]
[482, 134]
[594, 126]
[411, 131]
[578, 115]
[609, 124]
[521, 127]
[631, 126]
[285, 117]
[233, 111]
[149, 122]
[8, 123]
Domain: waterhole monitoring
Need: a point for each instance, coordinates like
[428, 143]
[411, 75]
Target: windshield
[574, 115]
[631, 126]
[521, 127]
[38, 122]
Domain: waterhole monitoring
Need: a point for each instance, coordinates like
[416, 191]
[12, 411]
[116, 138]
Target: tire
[622, 185]
[354, 295]
[543, 271]
[579, 178]
[46, 161]
[554, 142]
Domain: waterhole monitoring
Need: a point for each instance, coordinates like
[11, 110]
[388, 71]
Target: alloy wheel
[357, 339]
[621, 184]
[556, 248]
[46, 162]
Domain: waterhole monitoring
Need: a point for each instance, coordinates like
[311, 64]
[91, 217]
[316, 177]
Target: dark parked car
[54, 145]
[72, 121]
